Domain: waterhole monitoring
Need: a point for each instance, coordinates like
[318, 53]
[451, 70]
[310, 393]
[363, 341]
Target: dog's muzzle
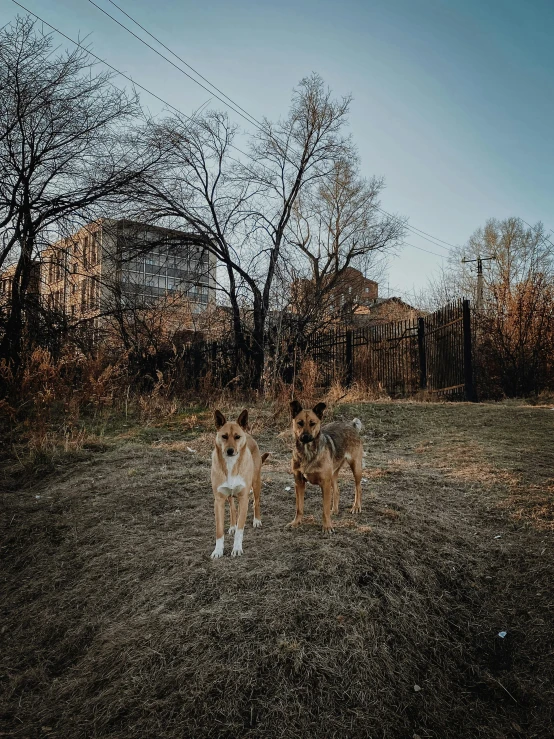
[230, 452]
[306, 438]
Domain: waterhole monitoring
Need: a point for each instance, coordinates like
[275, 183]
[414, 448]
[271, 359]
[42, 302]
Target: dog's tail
[358, 425]
[265, 455]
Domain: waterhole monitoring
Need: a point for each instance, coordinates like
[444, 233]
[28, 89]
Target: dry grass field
[116, 623]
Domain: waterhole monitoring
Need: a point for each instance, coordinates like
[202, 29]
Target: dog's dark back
[343, 435]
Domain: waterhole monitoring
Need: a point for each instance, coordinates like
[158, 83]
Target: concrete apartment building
[122, 263]
[6, 278]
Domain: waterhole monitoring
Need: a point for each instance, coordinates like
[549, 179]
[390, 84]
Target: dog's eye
[225, 436]
[237, 438]
[312, 423]
[300, 423]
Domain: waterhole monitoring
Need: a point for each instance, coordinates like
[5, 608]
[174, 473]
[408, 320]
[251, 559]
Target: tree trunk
[238, 333]
[12, 341]
[258, 353]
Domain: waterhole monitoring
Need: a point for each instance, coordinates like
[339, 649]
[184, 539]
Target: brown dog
[319, 453]
[236, 469]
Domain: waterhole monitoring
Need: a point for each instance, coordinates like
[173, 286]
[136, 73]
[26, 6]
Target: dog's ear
[295, 408]
[318, 410]
[242, 420]
[219, 419]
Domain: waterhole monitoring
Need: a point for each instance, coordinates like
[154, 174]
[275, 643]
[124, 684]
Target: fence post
[422, 356]
[468, 363]
[349, 357]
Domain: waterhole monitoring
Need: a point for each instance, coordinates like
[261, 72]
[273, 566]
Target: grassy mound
[117, 624]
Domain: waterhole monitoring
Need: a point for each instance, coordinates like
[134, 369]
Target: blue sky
[453, 101]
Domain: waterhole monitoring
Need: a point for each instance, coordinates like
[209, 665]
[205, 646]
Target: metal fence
[433, 353]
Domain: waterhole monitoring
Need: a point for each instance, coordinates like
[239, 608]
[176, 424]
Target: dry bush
[103, 381]
[159, 402]
[357, 392]
[307, 381]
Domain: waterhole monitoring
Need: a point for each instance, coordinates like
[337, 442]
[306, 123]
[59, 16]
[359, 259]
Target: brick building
[385, 310]
[350, 290]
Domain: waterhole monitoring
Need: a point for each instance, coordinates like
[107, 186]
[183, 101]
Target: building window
[83, 296]
[93, 251]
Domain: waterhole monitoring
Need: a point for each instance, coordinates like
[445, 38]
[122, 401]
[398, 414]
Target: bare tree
[517, 324]
[242, 207]
[515, 342]
[338, 227]
[68, 143]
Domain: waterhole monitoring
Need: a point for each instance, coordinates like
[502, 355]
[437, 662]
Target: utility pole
[479, 260]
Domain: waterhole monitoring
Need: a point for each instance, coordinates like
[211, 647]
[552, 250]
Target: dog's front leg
[327, 488]
[219, 510]
[239, 532]
[232, 515]
[300, 489]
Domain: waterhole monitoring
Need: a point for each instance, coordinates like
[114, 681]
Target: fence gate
[445, 351]
[432, 353]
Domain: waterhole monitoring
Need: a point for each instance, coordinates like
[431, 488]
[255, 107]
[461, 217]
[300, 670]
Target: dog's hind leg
[356, 467]
[232, 515]
[336, 495]
[327, 488]
[257, 488]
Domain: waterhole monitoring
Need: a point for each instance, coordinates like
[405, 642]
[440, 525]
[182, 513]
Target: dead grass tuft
[389, 513]
[533, 504]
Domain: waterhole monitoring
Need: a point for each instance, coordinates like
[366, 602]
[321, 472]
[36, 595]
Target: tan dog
[236, 469]
[319, 453]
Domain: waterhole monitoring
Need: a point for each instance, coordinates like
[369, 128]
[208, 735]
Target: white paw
[256, 523]
[218, 551]
[232, 529]
[237, 544]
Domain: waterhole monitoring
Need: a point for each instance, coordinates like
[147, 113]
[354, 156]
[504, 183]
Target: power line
[234, 106]
[169, 105]
[436, 238]
[232, 103]
[137, 84]
[534, 228]
[405, 243]
[125, 76]
[414, 230]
